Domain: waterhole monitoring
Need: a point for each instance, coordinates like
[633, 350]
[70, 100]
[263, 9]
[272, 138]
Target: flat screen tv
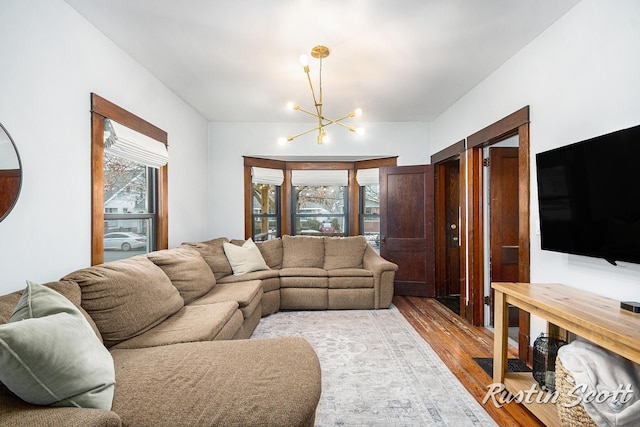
[589, 197]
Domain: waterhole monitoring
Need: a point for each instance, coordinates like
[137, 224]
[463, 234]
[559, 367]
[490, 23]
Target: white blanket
[607, 385]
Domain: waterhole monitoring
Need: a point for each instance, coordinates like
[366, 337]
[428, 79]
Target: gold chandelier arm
[308, 112]
[289, 138]
[313, 93]
[340, 119]
[351, 128]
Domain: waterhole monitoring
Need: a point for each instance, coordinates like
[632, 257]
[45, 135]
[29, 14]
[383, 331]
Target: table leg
[500, 336]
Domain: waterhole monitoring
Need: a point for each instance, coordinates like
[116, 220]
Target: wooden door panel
[405, 207]
[407, 212]
[504, 221]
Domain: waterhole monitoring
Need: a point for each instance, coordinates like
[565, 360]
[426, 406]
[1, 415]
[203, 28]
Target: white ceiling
[400, 60]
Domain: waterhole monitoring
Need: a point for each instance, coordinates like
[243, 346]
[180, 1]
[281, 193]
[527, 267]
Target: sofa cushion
[49, 354]
[244, 259]
[126, 297]
[272, 252]
[246, 294]
[302, 251]
[187, 270]
[213, 254]
[191, 323]
[270, 382]
[344, 252]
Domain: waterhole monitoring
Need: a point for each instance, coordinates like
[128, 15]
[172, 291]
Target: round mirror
[10, 173]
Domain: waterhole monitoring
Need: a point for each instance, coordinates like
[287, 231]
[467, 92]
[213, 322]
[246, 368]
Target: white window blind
[368, 176]
[131, 145]
[267, 176]
[319, 177]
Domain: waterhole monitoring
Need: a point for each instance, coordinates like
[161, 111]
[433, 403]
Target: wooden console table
[595, 318]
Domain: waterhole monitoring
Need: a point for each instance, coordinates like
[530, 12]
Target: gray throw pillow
[49, 354]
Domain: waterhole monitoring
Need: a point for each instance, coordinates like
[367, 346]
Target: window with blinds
[266, 184]
[131, 161]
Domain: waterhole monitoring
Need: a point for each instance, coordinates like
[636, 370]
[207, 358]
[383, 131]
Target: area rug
[377, 370]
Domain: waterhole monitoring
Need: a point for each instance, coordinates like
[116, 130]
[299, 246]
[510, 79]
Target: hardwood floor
[457, 342]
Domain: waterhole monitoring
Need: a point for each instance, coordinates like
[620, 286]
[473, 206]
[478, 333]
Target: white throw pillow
[244, 259]
[49, 354]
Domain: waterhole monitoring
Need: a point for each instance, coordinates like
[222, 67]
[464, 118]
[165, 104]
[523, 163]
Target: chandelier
[319, 52]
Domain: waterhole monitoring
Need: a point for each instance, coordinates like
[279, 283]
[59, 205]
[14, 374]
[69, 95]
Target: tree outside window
[266, 212]
[320, 210]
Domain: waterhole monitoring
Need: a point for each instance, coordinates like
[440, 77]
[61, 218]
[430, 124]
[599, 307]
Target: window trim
[287, 164]
[102, 109]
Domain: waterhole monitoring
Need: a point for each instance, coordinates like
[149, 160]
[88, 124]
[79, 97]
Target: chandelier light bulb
[358, 112]
[304, 60]
[282, 140]
[290, 105]
[360, 131]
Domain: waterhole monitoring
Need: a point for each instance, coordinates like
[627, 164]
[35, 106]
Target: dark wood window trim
[289, 164]
[102, 109]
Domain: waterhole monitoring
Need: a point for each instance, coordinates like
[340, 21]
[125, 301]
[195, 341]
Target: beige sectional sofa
[176, 324]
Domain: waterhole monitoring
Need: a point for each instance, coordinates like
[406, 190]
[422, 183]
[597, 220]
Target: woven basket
[576, 415]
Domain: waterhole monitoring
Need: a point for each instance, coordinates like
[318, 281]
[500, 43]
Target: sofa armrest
[16, 412]
[384, 272]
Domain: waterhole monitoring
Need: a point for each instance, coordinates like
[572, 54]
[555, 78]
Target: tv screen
[589, 197]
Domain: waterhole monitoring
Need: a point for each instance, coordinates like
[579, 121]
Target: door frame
[454, 152]
[516, 123]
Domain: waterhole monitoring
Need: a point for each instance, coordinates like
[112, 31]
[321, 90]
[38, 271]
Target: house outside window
[370, 214]
[129, 208]
[369, 209]
[320, 210]
[320, 202]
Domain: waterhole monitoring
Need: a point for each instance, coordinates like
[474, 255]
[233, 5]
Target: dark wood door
[504, 219]
[407, 227]
[447, 232]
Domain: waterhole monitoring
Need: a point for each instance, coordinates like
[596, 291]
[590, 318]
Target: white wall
[228, 142]
[580, 78]
[51, 59]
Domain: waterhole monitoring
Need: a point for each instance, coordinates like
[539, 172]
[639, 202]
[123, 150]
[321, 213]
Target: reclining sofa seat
[310, 273]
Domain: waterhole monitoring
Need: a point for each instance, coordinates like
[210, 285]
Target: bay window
[330, 196]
